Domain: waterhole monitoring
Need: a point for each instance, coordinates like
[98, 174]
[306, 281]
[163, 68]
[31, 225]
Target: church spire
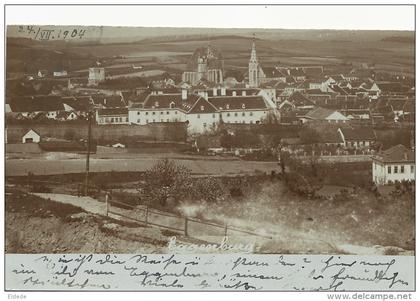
[253, 52]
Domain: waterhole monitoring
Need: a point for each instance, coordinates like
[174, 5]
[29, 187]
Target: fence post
[186, 227]
[226, 228]
[107, 203]
[147, 213]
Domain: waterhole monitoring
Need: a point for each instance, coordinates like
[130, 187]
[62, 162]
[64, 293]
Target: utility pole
[88, 152]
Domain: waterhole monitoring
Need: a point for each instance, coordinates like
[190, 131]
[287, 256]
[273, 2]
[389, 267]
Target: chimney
[206, 95]
[184, 94]
[244, 93]
[223, 91]
[214, 91]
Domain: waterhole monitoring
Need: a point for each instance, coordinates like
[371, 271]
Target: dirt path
[160, 219]
[86, 203]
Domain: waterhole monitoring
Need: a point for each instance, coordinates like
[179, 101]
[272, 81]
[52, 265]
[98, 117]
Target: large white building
[203, 113]
[394, 164]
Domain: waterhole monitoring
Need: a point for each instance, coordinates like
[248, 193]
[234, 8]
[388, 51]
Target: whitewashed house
[112, 116]
[31, 137]
[203, 113]
[395, 164]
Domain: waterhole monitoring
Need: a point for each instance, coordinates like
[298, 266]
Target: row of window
[114, 119]
[360, 143]
[161, 120]
[214, 115]
[204, 124]
[154, 113]
[401, 169]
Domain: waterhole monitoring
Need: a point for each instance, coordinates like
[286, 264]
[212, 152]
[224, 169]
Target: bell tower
[253, 67]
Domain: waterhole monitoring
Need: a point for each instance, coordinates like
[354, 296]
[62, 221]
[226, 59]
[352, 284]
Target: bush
[167, 180]
[208, 189]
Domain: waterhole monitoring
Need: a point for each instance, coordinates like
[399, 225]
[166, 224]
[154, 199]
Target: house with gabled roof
[31, 136]
[201, 111]
[28, 106]
[394, 164]
[357, 138]
[320, 114]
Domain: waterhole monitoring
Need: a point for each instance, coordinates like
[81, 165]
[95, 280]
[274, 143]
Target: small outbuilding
[118, 145]
[31, 137]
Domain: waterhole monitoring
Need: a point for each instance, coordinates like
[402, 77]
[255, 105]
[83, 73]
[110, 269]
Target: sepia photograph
[210, 140]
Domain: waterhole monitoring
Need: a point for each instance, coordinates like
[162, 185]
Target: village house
[66, 116]
[394, 164]
[60, 73]
[108, 101]
[30, 106]
[357, 138]
[203, 113]
[324, 115]
[356, 114]
[31, 137]
[297, 101]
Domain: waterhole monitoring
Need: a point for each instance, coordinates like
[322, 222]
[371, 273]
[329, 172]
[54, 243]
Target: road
[198, 166]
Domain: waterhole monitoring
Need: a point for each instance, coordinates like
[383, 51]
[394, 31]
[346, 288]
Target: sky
[368, 17]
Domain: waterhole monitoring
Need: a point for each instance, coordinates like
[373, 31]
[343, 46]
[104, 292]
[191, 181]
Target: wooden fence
[148, 216]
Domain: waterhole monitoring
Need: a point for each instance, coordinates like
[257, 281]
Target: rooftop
[396, 154]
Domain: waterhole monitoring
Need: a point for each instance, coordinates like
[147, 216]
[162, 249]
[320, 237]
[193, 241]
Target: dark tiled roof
[319, 113]
[271, 72]
[109, 101]
[392, 87]
[239, 103]
[299, 100]
[36, 104]
[80, 103]
[113, 111]
[163, 101]
[358, 134]
[396, 154]
[202, 106]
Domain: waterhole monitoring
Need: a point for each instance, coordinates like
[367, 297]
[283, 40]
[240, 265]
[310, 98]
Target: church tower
[202, 68]
[253, 67]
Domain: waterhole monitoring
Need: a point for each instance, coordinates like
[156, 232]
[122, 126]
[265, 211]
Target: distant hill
[399, 39]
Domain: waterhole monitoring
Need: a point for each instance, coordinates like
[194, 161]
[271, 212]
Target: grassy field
[297, 224]
[387, 55]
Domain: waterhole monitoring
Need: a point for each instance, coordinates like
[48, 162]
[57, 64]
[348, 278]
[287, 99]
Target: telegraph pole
[88, 153]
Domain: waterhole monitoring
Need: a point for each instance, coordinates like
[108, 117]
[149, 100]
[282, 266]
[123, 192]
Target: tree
[304, 178]
[167, 180]
[208, 189]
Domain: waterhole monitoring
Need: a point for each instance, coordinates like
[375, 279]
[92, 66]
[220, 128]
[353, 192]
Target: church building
[206, 65]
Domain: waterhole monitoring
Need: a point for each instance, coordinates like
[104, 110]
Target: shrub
[167, 180]
[208, 189]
